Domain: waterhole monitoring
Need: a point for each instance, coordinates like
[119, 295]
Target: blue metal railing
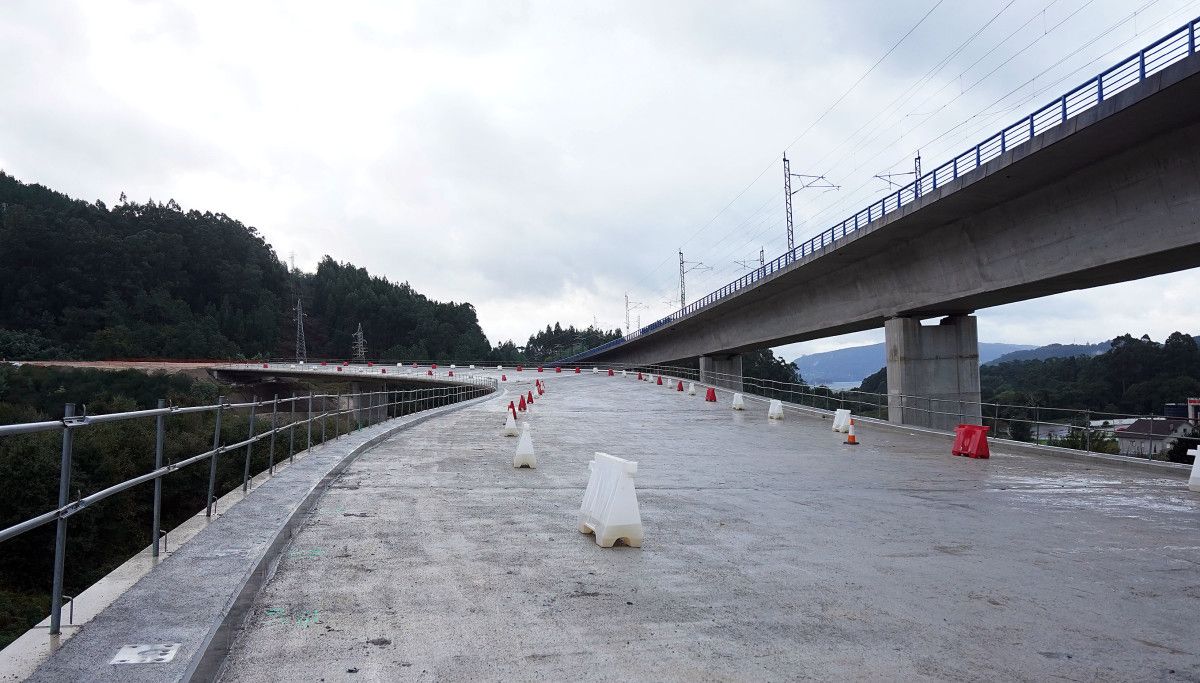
[1170, 49]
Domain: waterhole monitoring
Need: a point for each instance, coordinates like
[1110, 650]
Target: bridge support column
[722, 371]
[933, 372]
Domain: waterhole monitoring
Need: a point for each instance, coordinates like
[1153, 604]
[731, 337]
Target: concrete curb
[207, 664]
[160, 608]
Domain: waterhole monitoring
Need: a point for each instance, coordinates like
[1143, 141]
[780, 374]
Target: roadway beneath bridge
[772, 552]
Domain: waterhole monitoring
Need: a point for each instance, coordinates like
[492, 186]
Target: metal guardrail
[361, 409]
[1170, 49]
[1064, 427]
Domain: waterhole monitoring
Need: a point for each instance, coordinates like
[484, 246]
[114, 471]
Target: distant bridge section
[1100, 186]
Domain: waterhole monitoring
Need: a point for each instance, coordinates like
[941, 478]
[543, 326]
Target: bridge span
[1097, 187]
[772, 552]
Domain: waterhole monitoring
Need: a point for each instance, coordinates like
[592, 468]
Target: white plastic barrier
[841, 420]
[691, 389]
[499, 367]
[624, 374]
[775, 412]
[595, 370]
[1194, 481]
[453, 366]
[738, 402]
[610, 507]
[524, 456]
[472, 367]
[510, 425]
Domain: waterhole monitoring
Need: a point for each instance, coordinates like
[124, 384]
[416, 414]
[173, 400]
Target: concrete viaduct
[1108, 195]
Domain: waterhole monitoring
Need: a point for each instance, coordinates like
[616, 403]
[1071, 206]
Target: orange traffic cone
[850, 440]
[521, 405]
[711, 395]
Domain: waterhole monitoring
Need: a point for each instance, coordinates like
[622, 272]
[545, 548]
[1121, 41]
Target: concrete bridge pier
[933, 372]
[723, 371]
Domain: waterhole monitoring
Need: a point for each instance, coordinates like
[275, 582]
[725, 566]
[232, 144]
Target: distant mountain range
[854, 363]
[1053, 351]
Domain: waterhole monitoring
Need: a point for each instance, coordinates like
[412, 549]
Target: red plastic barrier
[711, 395]
[558, 370]
[503, 378]
[434, 366]
[323, 363]
[521, 405]
[639, 376]
[429, 373]
[971, 441]
[576, 371]
[680, 387]
[451, 374]
[610, 372]
[383, 371]
[339, 368]
[520, 368]
[539, 368]
[370, 364]
[265, 365]
[659, 382]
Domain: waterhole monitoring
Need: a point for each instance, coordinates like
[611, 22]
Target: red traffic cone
[521, 405]
[610, 372]
[539, 368]
[850, 440]
[558, 370]
[429, 373]
[680, 387]
[520, 368]
[503, 378]
[659, 380]
[639, 376]
[451, 374]
[576, 371]
[434, 366]
[711, 395]
[513, 408]
[530, 401]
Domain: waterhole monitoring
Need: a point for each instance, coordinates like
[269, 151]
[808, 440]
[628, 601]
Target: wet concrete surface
[772, 551]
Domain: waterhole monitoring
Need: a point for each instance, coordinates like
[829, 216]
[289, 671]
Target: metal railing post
[249, 447]
[309, 420]
[337, 417]
[324, 414]
[292, 428]
[60, 534]
[160, 428]
[212, 463]
[274, 427]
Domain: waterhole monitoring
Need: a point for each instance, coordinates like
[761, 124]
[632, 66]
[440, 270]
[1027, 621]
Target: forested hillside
[82, 280]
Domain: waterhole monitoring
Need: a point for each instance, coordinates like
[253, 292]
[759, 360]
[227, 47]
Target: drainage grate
[146, 653]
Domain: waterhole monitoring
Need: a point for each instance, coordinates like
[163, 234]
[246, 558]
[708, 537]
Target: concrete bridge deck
[772, 552]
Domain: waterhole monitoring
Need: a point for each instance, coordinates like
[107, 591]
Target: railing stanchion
[249, 447]
[60, 534]
[337, 417]
[292, 429]
[160, 428]
[212, 462]
[274, 428]
[309, 420]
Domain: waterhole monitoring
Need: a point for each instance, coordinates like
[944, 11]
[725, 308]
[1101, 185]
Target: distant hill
[1058, 351]
[1054, 351]
[855, 363]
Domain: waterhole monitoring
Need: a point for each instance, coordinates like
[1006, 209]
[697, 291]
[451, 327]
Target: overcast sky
[541, 159]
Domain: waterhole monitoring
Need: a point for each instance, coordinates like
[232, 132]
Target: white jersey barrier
[510, 425]
[610, 507]
[775, 412]
[524, 456]
[841, 420]
[1194, 482]
[738, 402]
[691, 388]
